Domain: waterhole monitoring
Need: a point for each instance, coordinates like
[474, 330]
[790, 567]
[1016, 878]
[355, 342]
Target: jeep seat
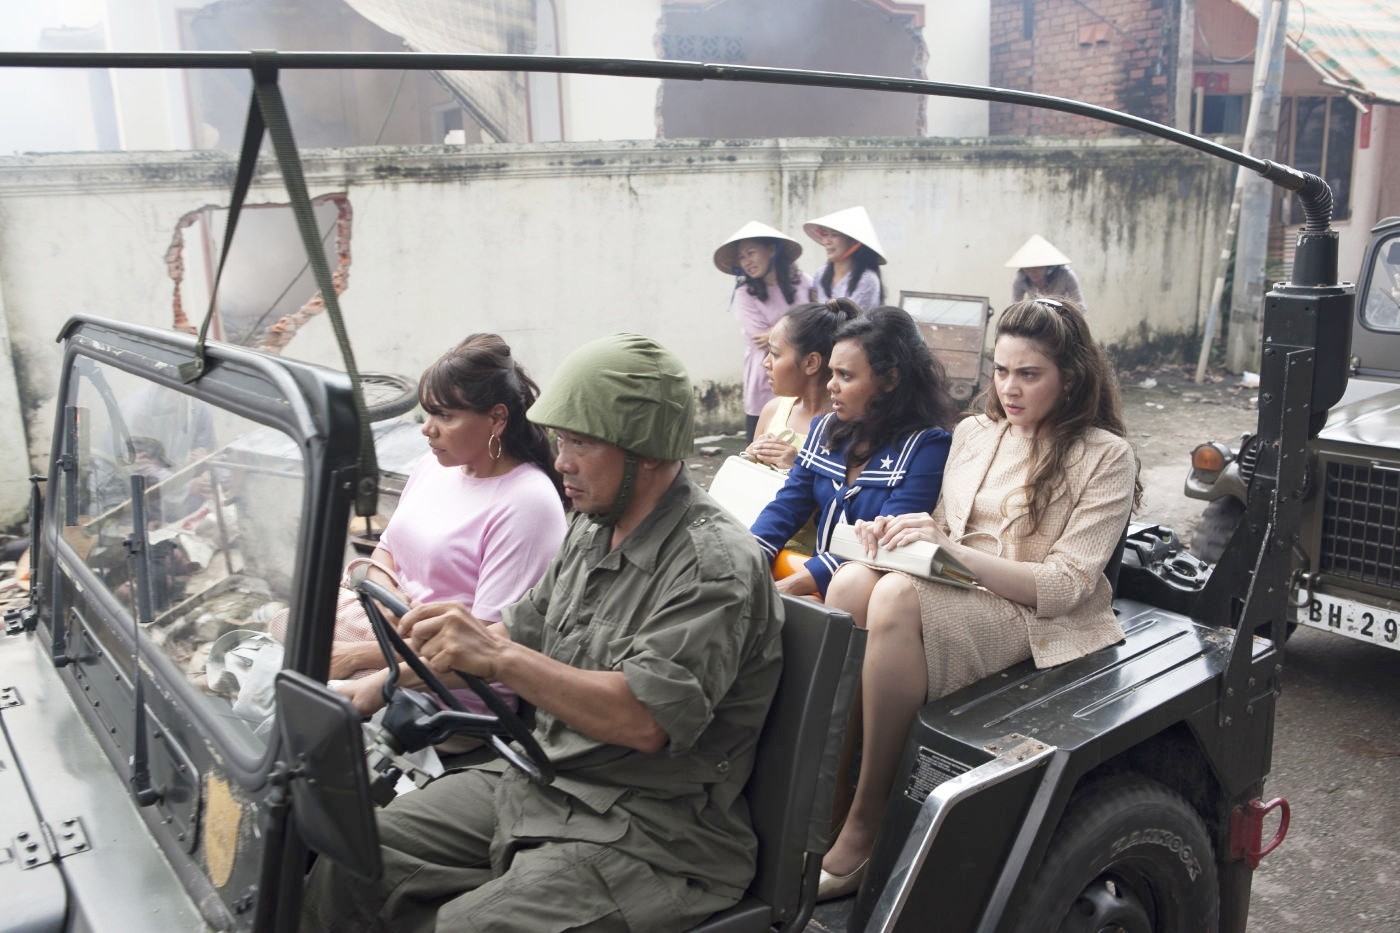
[794, 777]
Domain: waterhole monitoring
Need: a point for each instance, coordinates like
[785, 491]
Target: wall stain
[1155, 348]
[390, 171]
[719, 407]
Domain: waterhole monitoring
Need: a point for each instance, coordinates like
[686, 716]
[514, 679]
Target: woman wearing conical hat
[1043, 271]
[853, 258]
[763, 260]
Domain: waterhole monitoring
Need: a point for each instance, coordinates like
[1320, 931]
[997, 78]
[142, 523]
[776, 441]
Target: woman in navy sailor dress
[879, 452]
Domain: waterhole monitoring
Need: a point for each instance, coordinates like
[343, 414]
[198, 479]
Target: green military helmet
[627, 390]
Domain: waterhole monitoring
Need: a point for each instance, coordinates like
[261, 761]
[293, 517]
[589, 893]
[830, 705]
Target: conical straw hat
[1037, 251]
[727, 256]
[855, 223]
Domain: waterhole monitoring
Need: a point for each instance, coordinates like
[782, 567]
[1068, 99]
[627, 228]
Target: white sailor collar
[887, 467]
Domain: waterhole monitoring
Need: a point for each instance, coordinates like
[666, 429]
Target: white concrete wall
[553, 244]
[14, 465]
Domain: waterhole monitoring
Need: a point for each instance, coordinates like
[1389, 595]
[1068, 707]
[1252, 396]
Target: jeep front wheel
[1131, 855]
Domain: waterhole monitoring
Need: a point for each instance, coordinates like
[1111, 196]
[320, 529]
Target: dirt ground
[1167, 415]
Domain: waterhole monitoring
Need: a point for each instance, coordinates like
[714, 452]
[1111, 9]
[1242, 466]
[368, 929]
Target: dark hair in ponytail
[862, 259]
[788, 275]
[811, 328]
[478, 374]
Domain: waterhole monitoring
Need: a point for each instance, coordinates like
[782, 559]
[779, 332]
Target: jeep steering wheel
[534, 763]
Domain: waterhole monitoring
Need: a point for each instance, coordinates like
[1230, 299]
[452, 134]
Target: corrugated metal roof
[1354, 44]
[496, 99]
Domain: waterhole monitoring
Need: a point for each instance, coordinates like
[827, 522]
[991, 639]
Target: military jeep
[1346, 562]
[176, 758]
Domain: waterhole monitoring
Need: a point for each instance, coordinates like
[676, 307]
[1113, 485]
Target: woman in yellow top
[799, 349]
[1036, 494]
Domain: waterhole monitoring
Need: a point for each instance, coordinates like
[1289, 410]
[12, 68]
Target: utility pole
[1250, 205]
[1252, 246]
[1185, 61]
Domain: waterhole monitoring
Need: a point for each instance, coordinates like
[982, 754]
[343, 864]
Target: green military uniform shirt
[685, 608]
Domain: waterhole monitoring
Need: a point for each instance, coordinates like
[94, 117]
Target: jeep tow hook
[1247, 830]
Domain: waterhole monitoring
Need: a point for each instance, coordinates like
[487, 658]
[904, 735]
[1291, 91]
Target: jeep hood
[1372, 421]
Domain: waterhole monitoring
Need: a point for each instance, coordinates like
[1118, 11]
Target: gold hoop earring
[496, 451]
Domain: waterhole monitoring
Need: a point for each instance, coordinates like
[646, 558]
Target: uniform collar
[642, 548]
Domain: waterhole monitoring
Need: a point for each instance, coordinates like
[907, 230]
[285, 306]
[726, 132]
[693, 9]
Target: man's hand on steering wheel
[503, 722]
[448, 637]
[365, 694]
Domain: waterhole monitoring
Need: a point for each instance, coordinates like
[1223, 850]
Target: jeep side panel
[1144, 706]
[79, 847]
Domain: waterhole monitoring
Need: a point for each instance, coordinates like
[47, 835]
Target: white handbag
[744, 487]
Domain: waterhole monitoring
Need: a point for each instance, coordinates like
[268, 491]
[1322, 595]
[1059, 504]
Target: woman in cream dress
[1036, 494]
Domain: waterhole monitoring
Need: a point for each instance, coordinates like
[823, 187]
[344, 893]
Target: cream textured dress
[970, 634]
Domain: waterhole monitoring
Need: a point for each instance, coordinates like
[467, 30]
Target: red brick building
[1120, 54]
[1340, 99]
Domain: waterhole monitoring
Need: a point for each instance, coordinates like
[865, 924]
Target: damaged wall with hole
[553, 244]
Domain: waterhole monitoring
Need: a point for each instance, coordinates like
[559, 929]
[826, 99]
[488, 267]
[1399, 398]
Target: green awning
[1353, 44]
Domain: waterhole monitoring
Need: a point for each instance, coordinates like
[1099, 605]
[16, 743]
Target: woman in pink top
[762, 259]
[482, 515]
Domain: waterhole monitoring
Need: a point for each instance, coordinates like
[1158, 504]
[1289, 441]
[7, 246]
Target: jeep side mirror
[330, 784]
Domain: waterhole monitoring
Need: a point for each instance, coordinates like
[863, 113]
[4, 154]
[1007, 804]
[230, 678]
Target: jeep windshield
[221, 499]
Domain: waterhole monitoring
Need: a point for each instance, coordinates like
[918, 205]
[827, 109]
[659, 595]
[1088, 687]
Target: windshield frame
[313, 408]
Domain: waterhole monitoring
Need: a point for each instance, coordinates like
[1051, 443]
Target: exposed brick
[1109, 58]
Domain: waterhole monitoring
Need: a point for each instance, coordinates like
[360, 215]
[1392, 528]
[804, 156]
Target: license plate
[1352, 619]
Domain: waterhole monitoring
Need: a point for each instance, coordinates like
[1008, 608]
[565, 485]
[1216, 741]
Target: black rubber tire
[1130, 855]
[388, 395]
[1217, 526]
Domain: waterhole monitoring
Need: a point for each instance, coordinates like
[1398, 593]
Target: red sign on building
[1214, 82]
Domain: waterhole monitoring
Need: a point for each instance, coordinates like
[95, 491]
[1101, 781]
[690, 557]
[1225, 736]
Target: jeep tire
[1130, 854]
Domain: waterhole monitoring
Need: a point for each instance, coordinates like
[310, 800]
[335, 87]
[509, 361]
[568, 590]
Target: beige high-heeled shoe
[830, 887]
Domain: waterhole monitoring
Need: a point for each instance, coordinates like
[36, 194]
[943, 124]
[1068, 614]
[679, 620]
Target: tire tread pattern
[1134, 824]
